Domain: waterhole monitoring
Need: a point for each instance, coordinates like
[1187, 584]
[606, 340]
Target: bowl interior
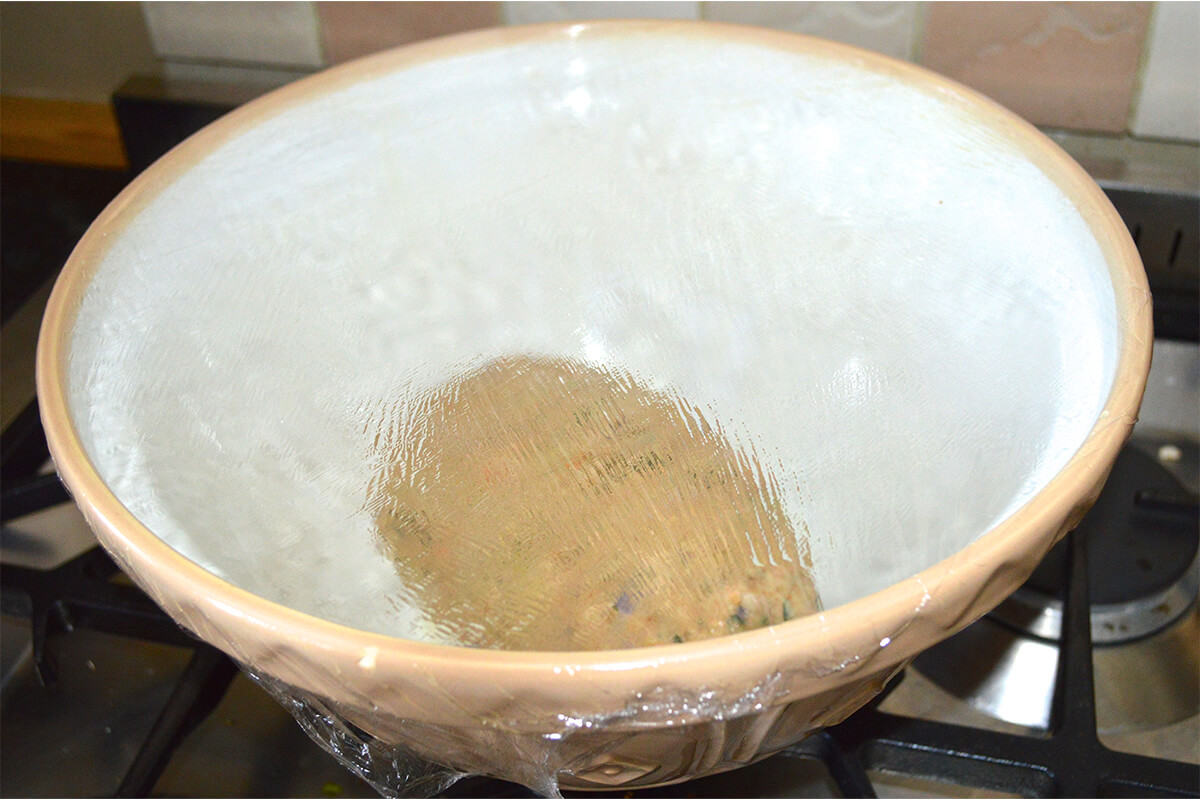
[860, 277]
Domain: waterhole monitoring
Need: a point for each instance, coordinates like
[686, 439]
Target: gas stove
[1086, 682]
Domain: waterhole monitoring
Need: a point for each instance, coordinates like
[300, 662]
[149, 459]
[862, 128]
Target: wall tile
[353, 29]
[885, 27]
[271, 33]
[1169, 102]
[1070, 65]
[521, 13]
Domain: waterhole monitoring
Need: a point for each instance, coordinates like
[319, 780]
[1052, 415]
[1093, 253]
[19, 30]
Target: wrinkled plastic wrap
[662, 736]
[582, 342]
[391, 769]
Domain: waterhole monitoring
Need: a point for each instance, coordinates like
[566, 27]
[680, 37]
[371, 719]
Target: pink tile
[885, 27]
[353, 29]
[1071, 65]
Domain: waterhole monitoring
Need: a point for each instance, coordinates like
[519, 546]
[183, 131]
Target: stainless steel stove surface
[120, 702]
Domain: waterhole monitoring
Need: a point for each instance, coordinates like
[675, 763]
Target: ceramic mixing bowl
[914, 308]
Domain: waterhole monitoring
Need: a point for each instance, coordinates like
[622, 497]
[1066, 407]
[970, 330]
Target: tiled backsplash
[890, 28]
[353, 29]
[525, 12]
[1105, 67]
[1119, 67]
[1070, 65]
[251, 34]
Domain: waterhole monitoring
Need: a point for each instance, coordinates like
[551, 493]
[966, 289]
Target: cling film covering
[713, 732]
[391, 769]
[541, 504]
[576, 338]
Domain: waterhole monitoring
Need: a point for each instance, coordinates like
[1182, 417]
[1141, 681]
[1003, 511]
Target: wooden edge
[61, 132]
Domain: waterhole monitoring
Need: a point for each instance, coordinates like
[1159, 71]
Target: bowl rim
[949, 594]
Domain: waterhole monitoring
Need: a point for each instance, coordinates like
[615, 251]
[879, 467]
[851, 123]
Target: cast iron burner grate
[1069, 762]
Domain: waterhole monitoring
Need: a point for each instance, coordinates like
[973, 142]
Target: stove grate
[1069, 762]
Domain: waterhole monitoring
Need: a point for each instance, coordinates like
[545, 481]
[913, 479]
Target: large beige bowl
[920, 313]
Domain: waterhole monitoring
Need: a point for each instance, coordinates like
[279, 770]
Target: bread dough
[542, 504]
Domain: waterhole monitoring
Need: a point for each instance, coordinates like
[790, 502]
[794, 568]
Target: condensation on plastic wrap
[300, 292]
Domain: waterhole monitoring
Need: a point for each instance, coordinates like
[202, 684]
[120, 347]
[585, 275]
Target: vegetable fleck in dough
[539, 504]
